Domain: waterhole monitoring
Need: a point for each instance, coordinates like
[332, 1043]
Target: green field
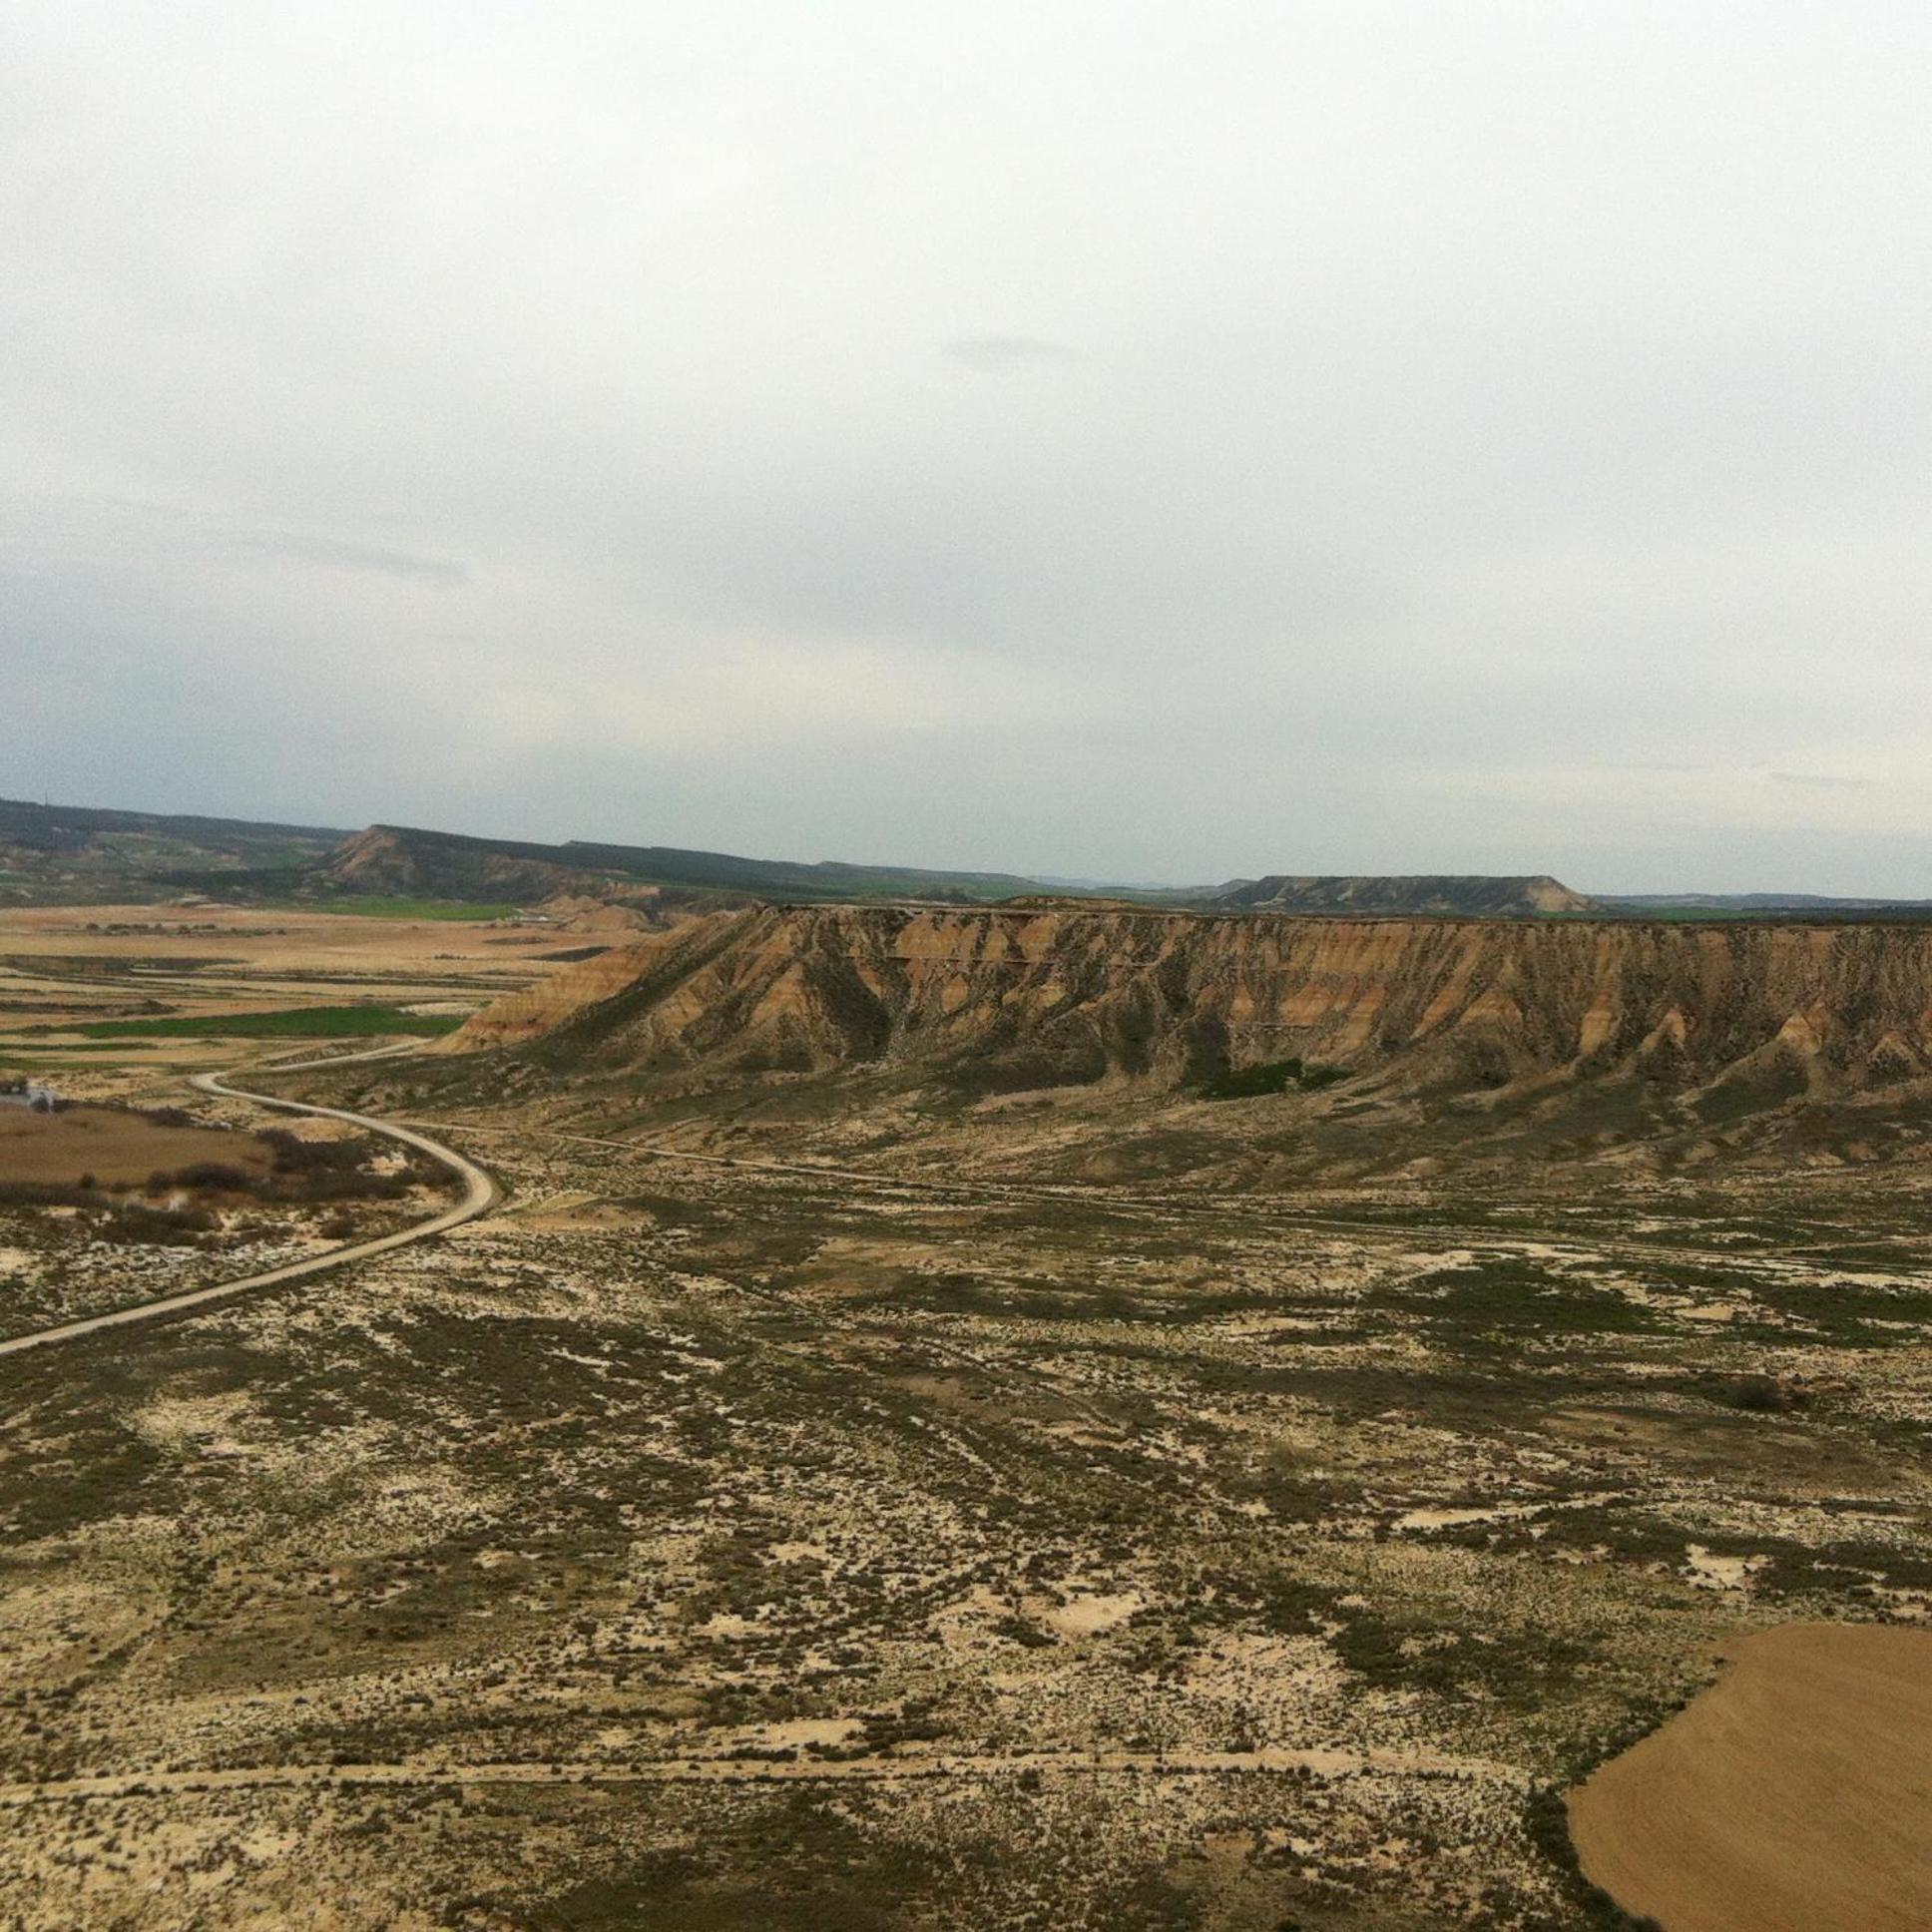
[293, 1023]
[375, 905]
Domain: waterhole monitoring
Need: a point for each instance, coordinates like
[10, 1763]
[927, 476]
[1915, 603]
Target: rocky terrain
[718, 1543]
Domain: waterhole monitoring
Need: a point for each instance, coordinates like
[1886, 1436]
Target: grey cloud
[333, 554]
[1478, 453]
[1820, 780]
[139, 507]
[998, 353]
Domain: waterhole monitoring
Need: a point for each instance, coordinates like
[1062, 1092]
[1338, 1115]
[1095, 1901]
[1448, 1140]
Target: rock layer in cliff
[990, 1000]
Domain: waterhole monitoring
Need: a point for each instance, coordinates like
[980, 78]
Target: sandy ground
[1794, 1795]
[119, 1149]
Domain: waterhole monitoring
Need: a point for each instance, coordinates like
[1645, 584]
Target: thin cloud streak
[333, 554]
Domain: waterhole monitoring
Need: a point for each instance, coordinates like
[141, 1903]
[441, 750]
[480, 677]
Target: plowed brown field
[119, 1149]
[1794, 1795]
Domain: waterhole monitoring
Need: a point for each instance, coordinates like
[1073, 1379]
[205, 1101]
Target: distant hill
[84, 854]
[1735, 905]
[1472, 896]
[399, 860]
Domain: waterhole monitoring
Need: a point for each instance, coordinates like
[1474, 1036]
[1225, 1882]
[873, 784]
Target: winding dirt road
[480, 1195]
[878, 1769]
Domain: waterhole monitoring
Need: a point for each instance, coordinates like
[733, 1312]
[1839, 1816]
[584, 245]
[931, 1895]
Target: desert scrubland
[903, 1454]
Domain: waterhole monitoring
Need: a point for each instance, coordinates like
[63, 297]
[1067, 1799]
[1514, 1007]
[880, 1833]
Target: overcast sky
[1152, 442]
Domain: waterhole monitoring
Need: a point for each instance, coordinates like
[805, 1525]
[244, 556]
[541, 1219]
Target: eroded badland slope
[1449, 1034]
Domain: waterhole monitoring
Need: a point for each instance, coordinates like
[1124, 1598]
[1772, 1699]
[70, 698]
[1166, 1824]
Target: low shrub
[1270, 1077]
[50, 1194]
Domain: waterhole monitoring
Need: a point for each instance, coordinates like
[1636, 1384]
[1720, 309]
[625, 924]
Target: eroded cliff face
[546, 1006]
[1007, 999]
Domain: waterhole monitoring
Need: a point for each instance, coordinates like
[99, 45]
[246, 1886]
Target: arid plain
[839, 1486]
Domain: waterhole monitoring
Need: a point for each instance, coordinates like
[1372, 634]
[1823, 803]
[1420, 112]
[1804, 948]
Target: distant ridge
[1471, 895]
[84, 854]
[71, 827]
[1751, 903]
[52, 854]
[408, 860]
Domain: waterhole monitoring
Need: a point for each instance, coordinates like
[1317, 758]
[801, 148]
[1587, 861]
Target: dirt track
[702, 1771]
[1794, 1795]
[480, 1194]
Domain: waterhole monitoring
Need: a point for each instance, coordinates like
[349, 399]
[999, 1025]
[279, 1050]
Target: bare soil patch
[1793, 1795]
[116, 1148]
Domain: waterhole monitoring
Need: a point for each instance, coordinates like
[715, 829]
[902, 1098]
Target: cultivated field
[87, 992]
[116, 1146]
[1791, 1796]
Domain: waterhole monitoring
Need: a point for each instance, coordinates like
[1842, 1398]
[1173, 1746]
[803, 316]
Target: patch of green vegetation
[1504, 1299]
[1840, 1572]
[1841, 1311]
[103, 1468]
[41, 1048]
[1410, 1649]
[293, 1023]
[378, 905]
[1270, 1077]
[1298, 1493]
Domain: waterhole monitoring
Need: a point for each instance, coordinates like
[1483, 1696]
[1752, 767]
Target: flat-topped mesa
[1471, 896]
[999, 999]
